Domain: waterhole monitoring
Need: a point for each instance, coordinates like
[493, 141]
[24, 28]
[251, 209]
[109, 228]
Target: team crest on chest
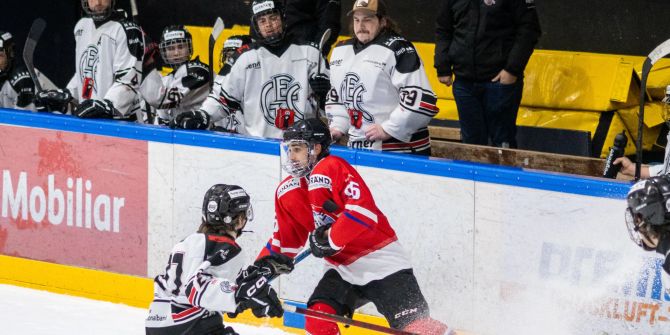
[351, 93]
[280, 95]
[88, 67]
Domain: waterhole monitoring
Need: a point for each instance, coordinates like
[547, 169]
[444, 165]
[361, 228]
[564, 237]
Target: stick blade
[218, 28]
[659, 52]
[324, 38]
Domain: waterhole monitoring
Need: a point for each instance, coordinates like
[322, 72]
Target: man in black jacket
[486, 44]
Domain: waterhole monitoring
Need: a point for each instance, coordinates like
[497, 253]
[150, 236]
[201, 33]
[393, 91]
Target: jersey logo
[319, 181]
[322, 219]
[351, 93]
[88, 67]
[279, 99]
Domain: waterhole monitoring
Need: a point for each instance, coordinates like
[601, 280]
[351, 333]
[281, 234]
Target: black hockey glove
[53, 100]
[24, 87]
[229, 331]
[197, 75]
[190, 120]
[95, 109]
[319, 244]
[152, 59]
[320, 84]
[254, 292]
[273, 265]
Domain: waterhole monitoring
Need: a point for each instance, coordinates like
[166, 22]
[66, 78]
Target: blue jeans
[487, 111]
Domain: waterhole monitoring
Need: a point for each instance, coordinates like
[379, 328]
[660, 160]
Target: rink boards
[496, 249]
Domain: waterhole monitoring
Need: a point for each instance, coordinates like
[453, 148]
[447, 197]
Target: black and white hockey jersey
[270, 86]
[18, 91]
[382, 82]
[229, 119]
[108, 62]
[182, 90]
[188, 290]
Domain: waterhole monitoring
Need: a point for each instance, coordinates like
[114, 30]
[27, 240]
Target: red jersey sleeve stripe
[367, 213]
[355, 219]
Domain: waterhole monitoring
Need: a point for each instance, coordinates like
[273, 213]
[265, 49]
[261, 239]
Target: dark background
[632, 27]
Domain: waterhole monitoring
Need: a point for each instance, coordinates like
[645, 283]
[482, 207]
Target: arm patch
[406, 58]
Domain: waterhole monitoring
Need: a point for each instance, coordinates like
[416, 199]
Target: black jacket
[476, 39]
[308, 19]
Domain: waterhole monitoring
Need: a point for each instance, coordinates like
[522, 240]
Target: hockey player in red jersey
[327, 202]
[198, 283]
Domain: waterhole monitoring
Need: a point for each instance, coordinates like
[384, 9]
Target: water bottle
[616, 151]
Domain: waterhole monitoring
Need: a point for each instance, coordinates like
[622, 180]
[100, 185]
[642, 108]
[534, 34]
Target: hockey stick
[322, 43]
[133, 11]
[341, 319]
[216, 32]
[34, 35]
[659, 52]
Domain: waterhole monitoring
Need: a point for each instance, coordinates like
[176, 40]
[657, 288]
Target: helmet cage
[297, 167]
[98, 16]
[666, 106]
[180, 39]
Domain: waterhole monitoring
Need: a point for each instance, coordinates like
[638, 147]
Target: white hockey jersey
[20, 80]
[186, 291]
[382, 82]
[108, 63]
[232, 120]
[270, 86]
[184, 89]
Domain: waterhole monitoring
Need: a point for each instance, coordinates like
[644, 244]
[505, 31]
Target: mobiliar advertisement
[74, 199]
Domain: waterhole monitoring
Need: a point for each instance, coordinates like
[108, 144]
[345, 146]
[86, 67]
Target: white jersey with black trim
[9, 96]
[108, 63]
[228, 120]
[182, 90]
[270, 86]
[383, 82]
[188, 290]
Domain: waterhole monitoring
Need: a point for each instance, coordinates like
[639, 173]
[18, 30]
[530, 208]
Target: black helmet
[264, 7]
[174, 36]
[647, 213]
[98, 16]
[223, 203]
[310, 130]
[232, 44]
[7, 45]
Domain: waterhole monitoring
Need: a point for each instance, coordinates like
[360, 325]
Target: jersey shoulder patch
[134, 37]
[225, 246]
[317, 181]
[288, 185]
[406, 56]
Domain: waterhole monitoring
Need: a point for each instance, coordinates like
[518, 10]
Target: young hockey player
[648, 219]
[274, 83]
[199, 280]
[108, 63]
[17, 89]
[186, 87]
[327, 202]
[380, 94]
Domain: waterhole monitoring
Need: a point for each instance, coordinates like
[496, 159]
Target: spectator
[17, 89]
[486, 45]
[273, 83]
[380, 93]
[186, 87]
[108, 63]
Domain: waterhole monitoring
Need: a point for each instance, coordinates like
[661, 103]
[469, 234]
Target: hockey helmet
[98, 14]
[176, 45]
[6, 45]
[306, 132]
[232, 44]
[648, 214]
[224, 203]
[666, 106]
[260, 8]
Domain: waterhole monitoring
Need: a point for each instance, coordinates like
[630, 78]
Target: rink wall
[99, 204]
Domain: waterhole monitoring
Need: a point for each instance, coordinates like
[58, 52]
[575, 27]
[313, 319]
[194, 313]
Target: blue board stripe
[423, 165]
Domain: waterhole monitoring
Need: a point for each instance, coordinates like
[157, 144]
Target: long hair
[390, 25]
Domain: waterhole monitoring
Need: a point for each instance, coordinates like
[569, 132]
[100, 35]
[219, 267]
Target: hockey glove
[274, 265]
[229, 331]
[320, 84]
[197, 75]
[96, 109]
[255, 293]
[190, 120]
[319, 244]
[24, 87]
[53, 100]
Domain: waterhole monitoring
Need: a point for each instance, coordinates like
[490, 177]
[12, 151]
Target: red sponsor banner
[75, 199]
